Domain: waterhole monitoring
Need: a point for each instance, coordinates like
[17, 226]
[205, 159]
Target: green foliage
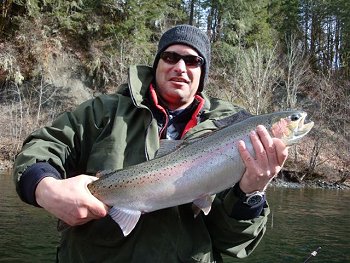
[132, 19]
[321, 27]
[341, 9]
[136, 20]
[285, 16]
[123, 30]
[241, 22]
[225, 55]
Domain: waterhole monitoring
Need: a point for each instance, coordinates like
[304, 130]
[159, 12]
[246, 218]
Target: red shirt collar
[194, 118]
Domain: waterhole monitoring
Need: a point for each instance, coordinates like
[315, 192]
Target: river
[301, 221]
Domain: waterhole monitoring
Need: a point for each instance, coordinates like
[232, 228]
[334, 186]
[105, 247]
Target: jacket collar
[194, 109]
[139, 80]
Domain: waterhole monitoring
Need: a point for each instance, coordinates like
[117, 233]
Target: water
[301, 221]
[27, 234]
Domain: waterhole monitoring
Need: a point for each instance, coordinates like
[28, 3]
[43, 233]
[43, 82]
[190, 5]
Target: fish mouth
[304, 125]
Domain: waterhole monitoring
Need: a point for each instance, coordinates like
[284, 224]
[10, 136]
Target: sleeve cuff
[235, 207]
[241, 211]
[31, 178]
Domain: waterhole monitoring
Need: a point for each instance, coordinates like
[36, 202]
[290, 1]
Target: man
[115, 131]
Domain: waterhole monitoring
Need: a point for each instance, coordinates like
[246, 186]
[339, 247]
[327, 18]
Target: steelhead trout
[192, 172]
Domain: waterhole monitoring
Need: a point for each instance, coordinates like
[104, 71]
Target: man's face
[177, 83]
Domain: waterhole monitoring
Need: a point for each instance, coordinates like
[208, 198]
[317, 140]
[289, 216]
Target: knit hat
[189, 36]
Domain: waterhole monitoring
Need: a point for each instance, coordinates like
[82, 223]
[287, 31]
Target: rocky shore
[317, 183]
[5, 165]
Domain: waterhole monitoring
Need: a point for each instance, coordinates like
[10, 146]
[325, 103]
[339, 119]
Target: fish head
[291, 126]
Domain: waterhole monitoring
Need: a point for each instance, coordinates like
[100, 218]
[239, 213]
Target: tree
[321, 27]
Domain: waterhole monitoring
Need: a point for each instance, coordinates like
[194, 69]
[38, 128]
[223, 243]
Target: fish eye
[295, 116]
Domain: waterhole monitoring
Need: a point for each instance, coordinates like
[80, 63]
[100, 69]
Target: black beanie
[189, 36]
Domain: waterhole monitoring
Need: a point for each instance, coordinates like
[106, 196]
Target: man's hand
[69, 199]
[271, 154]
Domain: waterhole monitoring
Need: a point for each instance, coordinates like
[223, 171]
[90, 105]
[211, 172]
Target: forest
[267, 55]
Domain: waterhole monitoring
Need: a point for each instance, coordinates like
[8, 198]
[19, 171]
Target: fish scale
[193, 172]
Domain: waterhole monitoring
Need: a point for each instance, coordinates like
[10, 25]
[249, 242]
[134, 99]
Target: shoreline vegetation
[56, 54]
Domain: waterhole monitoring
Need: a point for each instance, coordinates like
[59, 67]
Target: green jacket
[115, 131]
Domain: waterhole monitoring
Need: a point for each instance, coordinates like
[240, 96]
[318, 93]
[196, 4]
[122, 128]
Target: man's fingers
[95, 206]
[245, 155]
[270, 154]
[258, 147]
[268, 144]
[281, 150]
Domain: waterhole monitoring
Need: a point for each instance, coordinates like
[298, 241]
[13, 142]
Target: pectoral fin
[202, 204]
[125, 218]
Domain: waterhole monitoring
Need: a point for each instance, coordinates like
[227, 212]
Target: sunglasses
[190, 60]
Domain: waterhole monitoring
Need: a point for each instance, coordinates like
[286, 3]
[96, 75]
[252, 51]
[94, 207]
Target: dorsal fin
[232, 119]
[168, 146]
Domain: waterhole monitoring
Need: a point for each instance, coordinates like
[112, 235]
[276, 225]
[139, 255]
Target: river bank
[5, 165]
[314, 184]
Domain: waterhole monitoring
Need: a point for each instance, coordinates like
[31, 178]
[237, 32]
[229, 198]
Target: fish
[192, 170]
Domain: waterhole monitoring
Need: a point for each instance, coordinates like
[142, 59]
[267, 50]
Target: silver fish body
[193, 172]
